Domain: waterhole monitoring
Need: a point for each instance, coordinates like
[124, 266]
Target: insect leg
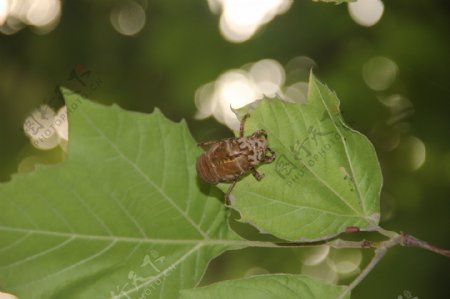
[241, 129]
[227, 194]
[258, 176]
[269, 159]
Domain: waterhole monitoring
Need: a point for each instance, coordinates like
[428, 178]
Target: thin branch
[364, 244]
[379, 253]
[393, 239]
[386, 233]
[411, 241]
[407, 240]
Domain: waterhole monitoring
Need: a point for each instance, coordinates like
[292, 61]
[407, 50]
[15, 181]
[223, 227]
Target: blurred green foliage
[180, 48]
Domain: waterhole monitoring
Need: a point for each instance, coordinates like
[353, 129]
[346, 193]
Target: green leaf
[123, 217]
[325, 178]
[285, 286]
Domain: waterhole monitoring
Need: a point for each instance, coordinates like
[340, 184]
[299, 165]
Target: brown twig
[411, 241]
[381, 248]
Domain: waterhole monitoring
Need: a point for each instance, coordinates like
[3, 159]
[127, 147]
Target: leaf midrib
[344, 144]
[144, 176]
[119, 238]
[297, 207]
[319, 179]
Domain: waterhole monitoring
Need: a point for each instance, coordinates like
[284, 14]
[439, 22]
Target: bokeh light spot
[7, 296]
[416, 152]
[43, 12]
[321, 271]
[43, 15]
[47, 129]
[239, 87]
[128, 18]
[268, 75]
[345, 261]
[4, 10]
[379, 73]
[240, 19]
[235, 89]
[314, 255]
[400, 108]
[39, 127]
[204, 102]
[366, 12]
[385, 137]
[299, 68]
[388, 206]
[395, 101]
[297, 92]
[61, 124]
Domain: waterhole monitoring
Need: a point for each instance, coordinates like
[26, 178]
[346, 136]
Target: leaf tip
[71, 97]
[311, 75]
[157, 111]
[313, 79]
[159, 114]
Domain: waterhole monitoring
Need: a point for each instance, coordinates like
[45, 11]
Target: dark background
[180, 48]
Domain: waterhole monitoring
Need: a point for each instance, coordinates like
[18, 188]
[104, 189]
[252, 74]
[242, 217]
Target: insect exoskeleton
[227, 160]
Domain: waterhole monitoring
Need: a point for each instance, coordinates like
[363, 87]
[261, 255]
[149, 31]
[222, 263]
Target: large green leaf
[325, 178]
[283, 286]
[123, 217]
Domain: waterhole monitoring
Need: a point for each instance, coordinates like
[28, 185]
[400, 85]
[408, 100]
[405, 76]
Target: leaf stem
[381, 248]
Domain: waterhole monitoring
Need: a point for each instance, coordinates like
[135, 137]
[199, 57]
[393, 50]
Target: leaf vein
[37, 255]
[344, 144]
[83, 261]
[319, 179]
[146, 177]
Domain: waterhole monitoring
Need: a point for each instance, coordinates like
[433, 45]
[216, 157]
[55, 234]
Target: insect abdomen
[221, 164]
[205, 169]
